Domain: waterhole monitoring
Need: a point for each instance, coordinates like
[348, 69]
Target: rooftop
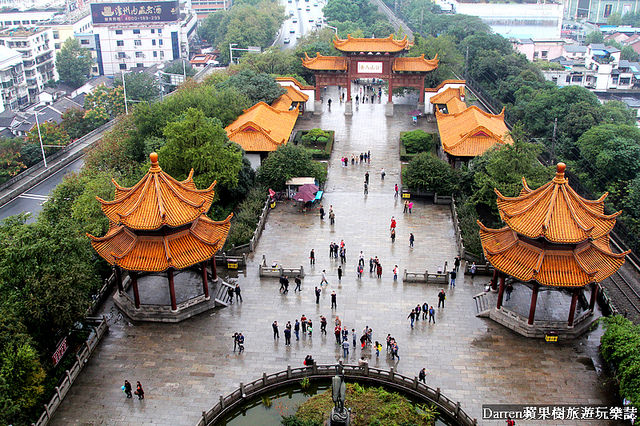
[21, 32]
[262, 128]
[415, 64]
[325, 63]
[377, 45]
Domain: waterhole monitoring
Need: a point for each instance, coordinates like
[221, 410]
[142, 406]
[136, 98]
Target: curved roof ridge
[181, 196]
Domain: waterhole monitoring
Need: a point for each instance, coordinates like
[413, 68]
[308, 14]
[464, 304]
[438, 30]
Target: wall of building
[13, 85]
[598, 11]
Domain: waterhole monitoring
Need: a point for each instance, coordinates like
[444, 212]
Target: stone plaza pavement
[185, 367]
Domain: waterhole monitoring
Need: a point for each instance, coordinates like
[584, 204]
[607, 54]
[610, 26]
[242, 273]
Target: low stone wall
[539, 329]
[376, 376]
[82, 357]
[426, 277]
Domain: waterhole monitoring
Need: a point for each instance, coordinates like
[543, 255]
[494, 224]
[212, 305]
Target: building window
[56, 35]
[161, 54]
[84, 41]
[535, 55]
[123, 66]
[136, 31]
[607, 10]
[121, 55]
[139, 55]
[568, 79]
[159, 30]
[160, 42]
[57, 45]
[137, 42]
[155, 53]
[140, 65]
[544, 54]
[153, 42]
[118, 32]
[119, 42]
[153, 30]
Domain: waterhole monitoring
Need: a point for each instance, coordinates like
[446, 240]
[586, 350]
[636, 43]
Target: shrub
[428, 173]
[287, 162]
[314, 136]
[246, 218]
[417, 141]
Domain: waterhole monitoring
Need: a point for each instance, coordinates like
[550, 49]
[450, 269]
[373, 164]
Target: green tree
[450, 59]
[141, 86]
[103, 104]
[273, 61]
[315, 135]
[257, 86]
[594, 37]
[617, 112]
[629, 54]
[417, 141]
[75, 124]
[52, 134]
[426, 172]
[21, 381]
[10, 161]
[200, 143]
[73, 63]
[286, 162]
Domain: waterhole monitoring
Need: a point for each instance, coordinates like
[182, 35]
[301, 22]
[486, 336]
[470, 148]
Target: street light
[124, 92]
[231, 52]
[44, 157]
[333, 28]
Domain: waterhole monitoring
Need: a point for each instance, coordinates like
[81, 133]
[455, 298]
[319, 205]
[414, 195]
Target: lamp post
[333, 28]
[124, 92]
[44, 157]
[231, 52]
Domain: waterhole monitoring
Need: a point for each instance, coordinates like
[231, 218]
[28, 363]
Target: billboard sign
[370, 67]
[146, 11]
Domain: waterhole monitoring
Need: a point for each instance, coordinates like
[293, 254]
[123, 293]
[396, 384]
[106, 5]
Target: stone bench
[278, 271]
[425, 277]
[485, 269]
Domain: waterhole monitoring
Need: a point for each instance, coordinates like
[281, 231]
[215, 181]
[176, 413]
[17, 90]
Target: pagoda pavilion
[554, 238]
[369, 58]
[160, 226]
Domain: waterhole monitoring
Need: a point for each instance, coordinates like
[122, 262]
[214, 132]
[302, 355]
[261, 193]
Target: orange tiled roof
[299, 85]
[441, 85]
[325, 63]
[546, 263]
[452, 98]
[389, 44]
[417, 64]
[158, 200]
[156, 253]
[471, 132]
[285, 100]
[262, 128]
[555, 211]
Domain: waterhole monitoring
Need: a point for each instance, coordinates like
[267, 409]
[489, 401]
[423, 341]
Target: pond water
[284, 402]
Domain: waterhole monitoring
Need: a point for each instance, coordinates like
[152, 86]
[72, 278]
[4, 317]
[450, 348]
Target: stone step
[220, 302]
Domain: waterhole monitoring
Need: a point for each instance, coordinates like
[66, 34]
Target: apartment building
[38, 55]
[203, 8]
[13, 84]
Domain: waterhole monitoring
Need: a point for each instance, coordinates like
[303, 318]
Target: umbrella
[306, 193]
[415, 112]
[272, 193]
[309, 186]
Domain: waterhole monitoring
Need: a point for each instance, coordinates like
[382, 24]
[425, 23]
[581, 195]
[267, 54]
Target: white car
[286, 40]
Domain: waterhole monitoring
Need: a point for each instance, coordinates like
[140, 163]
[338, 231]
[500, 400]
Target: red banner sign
[60, 351]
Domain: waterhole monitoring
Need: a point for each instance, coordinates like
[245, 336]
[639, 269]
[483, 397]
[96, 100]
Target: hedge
[405, 156]
[317, 154]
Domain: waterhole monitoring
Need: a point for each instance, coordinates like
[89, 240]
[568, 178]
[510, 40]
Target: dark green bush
[428, 173]
[417, 141]
[620, 346]
[246, 218]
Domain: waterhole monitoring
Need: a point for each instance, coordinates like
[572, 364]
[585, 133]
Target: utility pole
[44, 157]
[553, 140]
[124, 92]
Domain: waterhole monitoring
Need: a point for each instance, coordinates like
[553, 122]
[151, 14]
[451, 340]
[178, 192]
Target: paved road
[32, 200]
[300, 21]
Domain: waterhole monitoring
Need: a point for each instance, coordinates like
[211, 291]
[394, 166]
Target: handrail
[365, 373]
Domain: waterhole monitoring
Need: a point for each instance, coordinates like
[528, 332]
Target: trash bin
[551, 336]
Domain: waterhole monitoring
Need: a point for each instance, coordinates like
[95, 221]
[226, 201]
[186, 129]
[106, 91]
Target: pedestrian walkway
[185, 367]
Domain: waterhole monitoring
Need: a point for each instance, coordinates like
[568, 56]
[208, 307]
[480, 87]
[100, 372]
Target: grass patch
[321, 148]
[416, 141]
[369, 406]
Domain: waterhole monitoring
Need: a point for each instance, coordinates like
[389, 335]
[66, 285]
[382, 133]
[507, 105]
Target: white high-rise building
[13, 84]
[140, 34]
[38, 55]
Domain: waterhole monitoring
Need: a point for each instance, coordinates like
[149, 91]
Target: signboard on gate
[60, 351]
[146, 11]
[370, 67]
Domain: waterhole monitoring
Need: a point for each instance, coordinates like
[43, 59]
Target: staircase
[484, 303]
[220, 293]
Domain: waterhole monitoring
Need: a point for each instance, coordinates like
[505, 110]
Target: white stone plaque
[370, 67]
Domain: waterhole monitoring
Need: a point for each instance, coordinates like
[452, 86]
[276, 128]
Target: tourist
[324, 278]
[139, 391]
[312, 257]
[425, 310]
[432, 315]
[323, 325]
[276, 333]
[298, 283]
[509, 289]
[357, 97]
[378, 349]
[360, 270]
[379, 270]
[331, 250]
[366, 188]
[308, 361]
[366, 177]
[473, 269]
[321, 212]
[452, 278]
[422, 376]
[296, 329]
[332, 217]
[361, 258]
[345, 349]
[333, 300]
[393, 236]
[395, 273]
[389, 342]
[361, 157]
[127, 386]
[230, 294]
[336, 332]
[418, 309]
[238, 295]
[240, 343]
[410, 206]
[353, 337]
[382, 173]
[340, 273]
[396, 188]
[286, 285]
[456, 263]
[329, 103]
[235, 341]
[369, 334]
[303, 321]
[406, 206]
[411, 240]
[370, 265]
[369, 156]
[281, 283]
[412, 315]
[353, 160]
[318, 291]
[343, 254]
[441, 298]
[287, 334]
[345, 333]
[310, 328]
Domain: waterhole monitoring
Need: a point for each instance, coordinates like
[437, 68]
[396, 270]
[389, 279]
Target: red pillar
[118, 273]
[348, 91]
[534, 300]
[205, 284]
[172, 290]
[390, 100]
[494, 279]
[572, 309]
[421, 90]
[134, 285]
[594, 296]
[318, 91]
[214, 272]
[500, 292]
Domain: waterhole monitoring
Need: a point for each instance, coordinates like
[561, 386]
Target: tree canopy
[140, 86]
[73, 63]
[258, 87]
[286, 162]
[426, 172]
